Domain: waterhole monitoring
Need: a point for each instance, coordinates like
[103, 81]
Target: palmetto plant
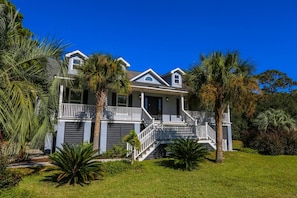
[78, 164]
[187, 153]
[133, 140]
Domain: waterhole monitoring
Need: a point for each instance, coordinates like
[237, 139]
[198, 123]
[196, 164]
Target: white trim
[126, 63]
[76, 52]
[154, 73]
[160, 89]
[177, 69]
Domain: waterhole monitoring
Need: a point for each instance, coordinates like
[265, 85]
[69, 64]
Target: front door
[153, 105]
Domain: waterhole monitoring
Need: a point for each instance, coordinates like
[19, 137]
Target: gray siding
[74, 132]
[116, 132]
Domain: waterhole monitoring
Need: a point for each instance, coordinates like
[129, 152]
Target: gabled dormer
[175, 78]
[75, 60]
[149, 77]
[123, 63]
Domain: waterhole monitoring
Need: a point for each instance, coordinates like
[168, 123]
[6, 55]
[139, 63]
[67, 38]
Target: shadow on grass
[168, 163]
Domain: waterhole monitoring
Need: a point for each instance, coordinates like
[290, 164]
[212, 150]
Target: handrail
[188, 118]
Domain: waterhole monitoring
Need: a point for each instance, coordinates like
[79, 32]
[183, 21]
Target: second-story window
[76, 63]
[148, 78]
[122, 100]
[75, 96]
[176, 79]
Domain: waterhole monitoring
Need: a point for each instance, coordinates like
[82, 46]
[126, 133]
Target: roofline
[150, 70]
[76, 52]
[160, 89]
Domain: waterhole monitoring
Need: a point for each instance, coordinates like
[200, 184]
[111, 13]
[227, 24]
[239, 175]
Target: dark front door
[153, 105]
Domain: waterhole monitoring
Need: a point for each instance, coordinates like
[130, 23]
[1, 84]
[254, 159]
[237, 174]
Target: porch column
[229, 142]
[182, 102]
[60, 101]
[142, 100]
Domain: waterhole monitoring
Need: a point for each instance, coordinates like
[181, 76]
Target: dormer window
[176, 79]
[76, 63]
[148, 78]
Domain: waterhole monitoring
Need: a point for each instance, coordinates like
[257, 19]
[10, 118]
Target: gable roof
[76, 52]
[175, 70]
[150, 71]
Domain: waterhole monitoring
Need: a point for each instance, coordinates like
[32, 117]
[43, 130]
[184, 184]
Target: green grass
[241, 175]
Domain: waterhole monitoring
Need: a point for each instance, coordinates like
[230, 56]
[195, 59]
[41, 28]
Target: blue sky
[165, 34]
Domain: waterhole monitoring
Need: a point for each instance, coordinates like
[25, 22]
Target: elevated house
[156, 109]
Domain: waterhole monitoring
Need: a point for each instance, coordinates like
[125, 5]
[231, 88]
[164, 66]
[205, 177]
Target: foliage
[187, 153]
[7, 178]
[274, 133]
[221, 80]
[99, 73]
[78, 164]
[272, 81]
[118, 151]
[23, 83]
[133, 140]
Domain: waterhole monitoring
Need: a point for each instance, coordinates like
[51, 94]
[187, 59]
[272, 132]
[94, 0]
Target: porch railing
[202, 116]
[70, 110]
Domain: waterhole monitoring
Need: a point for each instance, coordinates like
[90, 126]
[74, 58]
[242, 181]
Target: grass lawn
[241, 175]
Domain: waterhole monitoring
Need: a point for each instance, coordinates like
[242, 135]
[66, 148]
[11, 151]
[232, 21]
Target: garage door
[74, 132]
[116, 132]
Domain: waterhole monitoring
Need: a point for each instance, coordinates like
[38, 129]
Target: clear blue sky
[165, 34]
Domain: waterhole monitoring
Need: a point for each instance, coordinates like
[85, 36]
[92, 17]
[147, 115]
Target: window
[122, 100]
[176, 79]
[76, 63]
[148, 78]
[75, 96]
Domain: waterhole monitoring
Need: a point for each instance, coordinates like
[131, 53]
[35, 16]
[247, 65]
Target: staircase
[157, 133]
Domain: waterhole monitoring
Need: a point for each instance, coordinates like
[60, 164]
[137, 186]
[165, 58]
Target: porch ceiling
[159, 90]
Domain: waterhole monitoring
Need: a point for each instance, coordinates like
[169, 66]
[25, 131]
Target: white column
[142, 100]
[182, 103]
[60, 101]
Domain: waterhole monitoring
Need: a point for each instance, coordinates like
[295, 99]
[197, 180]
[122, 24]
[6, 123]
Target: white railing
[202, 116]
[147, 137]
[146, 117]
[122, 113]
[188, 118]
[70, 110]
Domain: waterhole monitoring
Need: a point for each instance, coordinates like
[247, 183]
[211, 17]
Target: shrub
[187, 153]
[116, 167]
[78, 164]
[118, 151]
[7, 178]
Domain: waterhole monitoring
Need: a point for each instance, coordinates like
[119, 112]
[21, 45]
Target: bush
[187, 153]
[7, 178]
[118, 151]
[78, 164]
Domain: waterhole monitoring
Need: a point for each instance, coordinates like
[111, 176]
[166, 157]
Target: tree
[273, 81]
[23, 68]
[219, 81]
[133, 140]
[99, 73]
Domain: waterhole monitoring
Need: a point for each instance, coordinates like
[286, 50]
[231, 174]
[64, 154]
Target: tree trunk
[100, 99]
[132, 156]
[219, 135]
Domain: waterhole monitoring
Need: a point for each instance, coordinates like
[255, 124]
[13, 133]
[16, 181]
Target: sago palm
[78, 164]
[187, 153]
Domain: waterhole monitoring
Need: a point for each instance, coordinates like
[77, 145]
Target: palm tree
[275, 119]
[133, 140]
[22, 85]
[221, 80]
[101, 72]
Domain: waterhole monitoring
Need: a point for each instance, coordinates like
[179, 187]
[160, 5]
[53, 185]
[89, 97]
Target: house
[156, 109]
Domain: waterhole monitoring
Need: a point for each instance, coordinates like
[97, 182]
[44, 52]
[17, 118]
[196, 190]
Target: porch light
[167, 99]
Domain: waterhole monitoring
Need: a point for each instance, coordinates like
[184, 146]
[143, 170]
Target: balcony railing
[83, 111]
